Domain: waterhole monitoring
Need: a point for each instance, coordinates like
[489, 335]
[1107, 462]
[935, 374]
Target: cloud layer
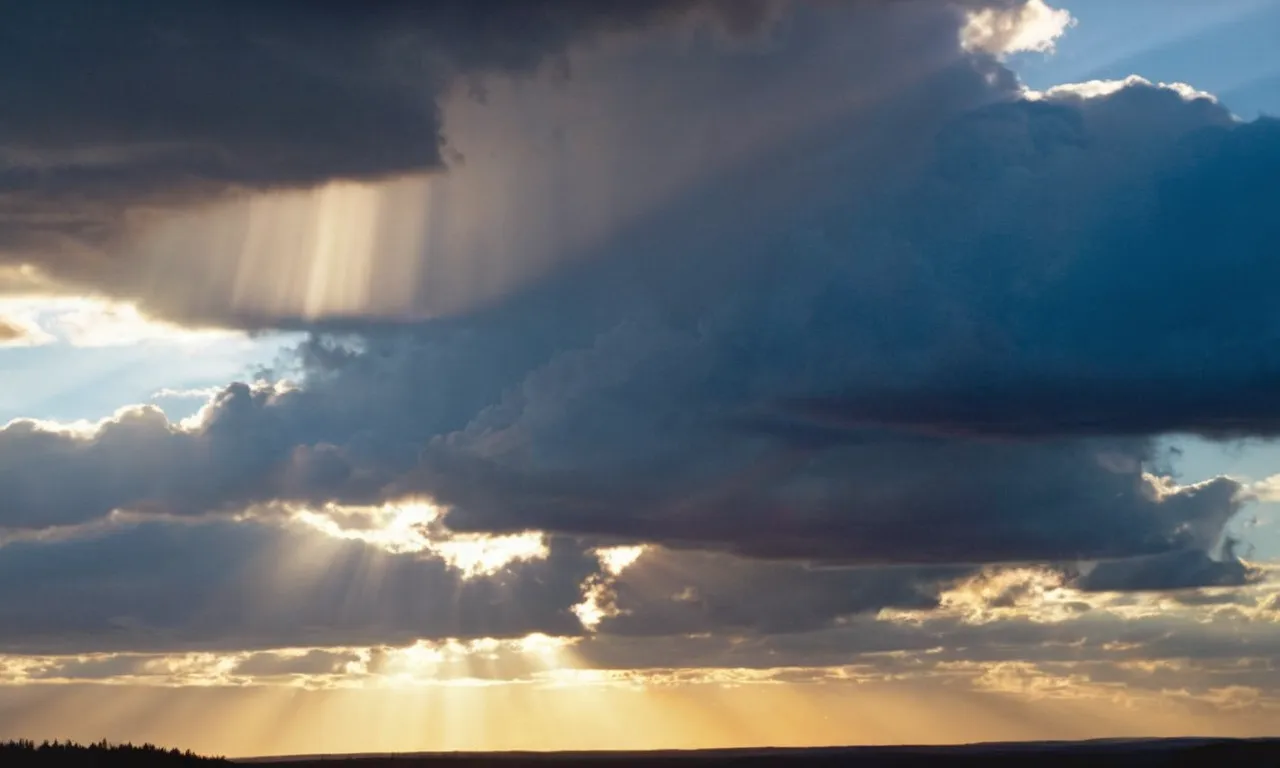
[879, 321]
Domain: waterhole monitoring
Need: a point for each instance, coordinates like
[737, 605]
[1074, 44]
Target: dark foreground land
[1097, 754]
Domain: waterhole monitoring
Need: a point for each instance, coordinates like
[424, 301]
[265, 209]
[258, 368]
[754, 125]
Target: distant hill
[1129, 753]
[28, 754]
[1093, 754]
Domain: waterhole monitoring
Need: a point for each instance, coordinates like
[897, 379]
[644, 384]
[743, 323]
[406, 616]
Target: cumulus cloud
[1267, 489]
[1003, 28]
[161, 586]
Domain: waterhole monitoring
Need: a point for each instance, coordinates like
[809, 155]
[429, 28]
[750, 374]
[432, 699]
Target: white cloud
[1032, 26]
[1267, 489]
[406, 527]
[1093, 89]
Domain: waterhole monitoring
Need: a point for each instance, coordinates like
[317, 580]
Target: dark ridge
[1103, 753]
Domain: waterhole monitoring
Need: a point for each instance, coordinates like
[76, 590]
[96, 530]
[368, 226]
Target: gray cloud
[1008, 246]
[544, 171]
[233, 586]
[680, 593]
[1090, 313]
[143, 139]
[172, 586]
[1177, 570]
[151, 97]
[1117, 629]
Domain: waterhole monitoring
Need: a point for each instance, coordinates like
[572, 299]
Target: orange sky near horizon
[262, 721]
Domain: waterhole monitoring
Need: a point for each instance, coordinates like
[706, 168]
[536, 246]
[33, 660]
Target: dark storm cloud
[236, 586]
[149, 95]
[1174, 571]
[606, 402]
[140, 461]
[1083, 271]
[681, 593]
[115, 113]
[543, 170]
[1132, 309]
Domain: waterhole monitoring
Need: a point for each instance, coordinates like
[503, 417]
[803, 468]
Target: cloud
[681, 592]
[1030, 350]
[938, 327]
[543, 170]
[964, 360]
[244, 105]
[861, 375]
[165, 586]
[9, 331]
[1267, 489]
[1019, 616]
[262, 96]
[233, 589]
[1015, 27]
[17, 332]
[1178, 570]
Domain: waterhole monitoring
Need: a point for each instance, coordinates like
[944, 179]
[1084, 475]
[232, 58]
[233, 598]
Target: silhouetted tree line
[24, 752]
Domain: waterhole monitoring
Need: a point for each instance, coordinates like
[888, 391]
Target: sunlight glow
[483, 555]
[248, 721]
[93, 322]
[417, 526]
[1033, 26]
[1092, 89]
[334, 250]
[615, 560]
[597, 592]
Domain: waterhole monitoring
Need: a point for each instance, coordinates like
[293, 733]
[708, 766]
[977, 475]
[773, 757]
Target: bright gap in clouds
[1226, 47]
[75, 358]
[597, 592]
[92, 322]
[418, 526]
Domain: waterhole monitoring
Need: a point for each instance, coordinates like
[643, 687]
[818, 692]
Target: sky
[682, 373]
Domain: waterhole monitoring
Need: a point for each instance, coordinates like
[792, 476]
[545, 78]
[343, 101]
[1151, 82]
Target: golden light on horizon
[280, 721]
